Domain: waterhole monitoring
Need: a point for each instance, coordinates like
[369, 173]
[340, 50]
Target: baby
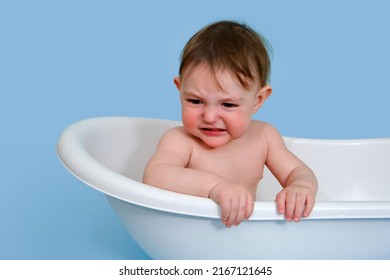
[220, 152]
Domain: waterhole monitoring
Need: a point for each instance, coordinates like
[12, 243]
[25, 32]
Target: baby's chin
[214, 142]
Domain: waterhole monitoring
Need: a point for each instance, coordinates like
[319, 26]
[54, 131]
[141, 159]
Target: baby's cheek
[189, 120]
[239, 126]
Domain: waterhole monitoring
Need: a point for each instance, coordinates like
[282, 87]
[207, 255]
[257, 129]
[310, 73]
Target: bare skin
[220, 152]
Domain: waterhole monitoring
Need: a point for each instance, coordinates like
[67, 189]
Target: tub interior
[347, 170]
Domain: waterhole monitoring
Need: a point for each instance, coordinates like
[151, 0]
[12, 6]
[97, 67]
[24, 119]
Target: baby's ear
[176, 80]
[261, 96]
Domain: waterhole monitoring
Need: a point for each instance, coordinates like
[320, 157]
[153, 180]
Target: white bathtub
[351, 219]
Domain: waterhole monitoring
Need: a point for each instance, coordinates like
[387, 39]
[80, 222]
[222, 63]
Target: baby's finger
[281, 202]
[233, 213]
[225, 210]
[310, 200]
[299, 207]
[249, 207]
[241, 210]
[290, 206]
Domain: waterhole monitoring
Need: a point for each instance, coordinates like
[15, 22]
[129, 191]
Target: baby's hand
[235, 200]
[295, 202]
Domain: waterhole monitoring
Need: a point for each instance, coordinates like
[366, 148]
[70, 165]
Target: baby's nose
[210, 115]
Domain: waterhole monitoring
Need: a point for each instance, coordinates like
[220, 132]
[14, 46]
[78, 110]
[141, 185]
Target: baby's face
[216, 115]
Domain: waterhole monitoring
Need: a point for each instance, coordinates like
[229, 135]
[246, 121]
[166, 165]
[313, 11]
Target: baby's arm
[299, 183]
[167, 169]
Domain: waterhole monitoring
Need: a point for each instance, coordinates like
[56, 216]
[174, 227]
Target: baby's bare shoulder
[259, 124]
[174, 146]
[174, 136]
[263, 128]
[267, 133]
[177, 131]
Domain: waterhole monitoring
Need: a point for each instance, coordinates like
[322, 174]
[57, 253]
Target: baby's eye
[194, 101]
[229, 105]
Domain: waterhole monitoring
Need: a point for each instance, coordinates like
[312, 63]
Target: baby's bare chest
[244, 164]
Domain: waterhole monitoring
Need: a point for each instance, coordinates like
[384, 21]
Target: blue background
[63, 61]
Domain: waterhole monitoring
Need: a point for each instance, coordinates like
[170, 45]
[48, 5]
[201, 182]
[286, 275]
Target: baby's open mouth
[213, 129]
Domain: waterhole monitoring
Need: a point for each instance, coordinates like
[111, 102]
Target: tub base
[309, 239]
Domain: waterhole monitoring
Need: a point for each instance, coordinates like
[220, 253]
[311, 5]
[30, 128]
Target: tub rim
[72, 153]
